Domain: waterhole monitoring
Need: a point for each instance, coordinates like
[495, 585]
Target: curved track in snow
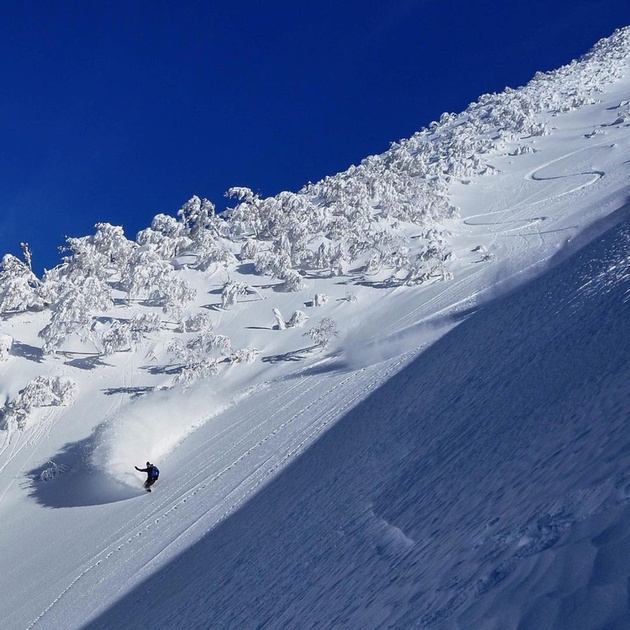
[537, 175]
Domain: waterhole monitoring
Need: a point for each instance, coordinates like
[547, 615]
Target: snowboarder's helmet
[148, 464]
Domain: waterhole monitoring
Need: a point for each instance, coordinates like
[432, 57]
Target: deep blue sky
[115, 111]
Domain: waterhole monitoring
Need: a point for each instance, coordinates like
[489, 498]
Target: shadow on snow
[77, 483]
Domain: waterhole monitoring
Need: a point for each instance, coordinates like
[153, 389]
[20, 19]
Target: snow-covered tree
[249, 249]
[298, 319]
[142, 323]
[279, 319]
[232, 290]
[18, 286]
[53, 471]
[110, 241]
[43, 391]
[6, 343]
[209, 250]
[27, 253]
[244, 355]
[430, 263]
[124, 335]
[118, 338]
[197, 323]
[73, 311]
[200, 356]
[191, 372]
[103, 255]
[149, 277]
[320, 299]
[324, 332]
[197, 215]
[167, 237]
[293, 281]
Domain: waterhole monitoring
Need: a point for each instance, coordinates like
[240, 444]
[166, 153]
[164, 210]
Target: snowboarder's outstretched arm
[141, 469]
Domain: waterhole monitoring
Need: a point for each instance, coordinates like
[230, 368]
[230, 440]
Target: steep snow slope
[357, 485]
[486, 484]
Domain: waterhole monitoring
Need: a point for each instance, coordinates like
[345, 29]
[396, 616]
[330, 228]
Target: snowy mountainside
[256, 353]
[485, 485]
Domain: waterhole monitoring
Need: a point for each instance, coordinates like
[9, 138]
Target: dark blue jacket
[152, 471]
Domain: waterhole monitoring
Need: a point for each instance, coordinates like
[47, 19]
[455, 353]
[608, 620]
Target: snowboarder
[152, 475]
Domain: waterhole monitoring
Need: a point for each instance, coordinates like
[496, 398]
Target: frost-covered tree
[249, 249]
[209, 250]
[117, 338]
[197, 215]
[244, 218]
[293, 281]
[430, 263]
[166, 237]
[124, 335]
[232, 290]
[110, 241]
[103, 255]
[43, 391]
[53, 471]
[201, 346]
[27, 253]
[143, 323]
[197, 323]
[324, 332]
[73, 311]
[191, 372]
[279, 319]
[148, 277]
[19, 287]
[200, 356]
[298, 319]
[244, 355]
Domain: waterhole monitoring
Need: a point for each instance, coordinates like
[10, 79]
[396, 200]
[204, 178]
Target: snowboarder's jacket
[151, 470]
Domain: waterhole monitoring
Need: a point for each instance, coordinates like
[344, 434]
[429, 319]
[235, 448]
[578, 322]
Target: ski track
[534, 176]
[28, 439]
[245, 448]
[180, 495]
[451, 295]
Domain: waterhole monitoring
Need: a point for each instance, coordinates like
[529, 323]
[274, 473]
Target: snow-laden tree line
[356, 222]
[43, 391]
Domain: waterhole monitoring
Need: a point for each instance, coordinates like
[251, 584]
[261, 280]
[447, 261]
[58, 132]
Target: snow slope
[486, 484]
[457, 457]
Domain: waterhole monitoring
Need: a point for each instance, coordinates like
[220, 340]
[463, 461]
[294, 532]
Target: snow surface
[458, 457]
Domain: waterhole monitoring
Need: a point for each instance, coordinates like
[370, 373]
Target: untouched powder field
[399, 398]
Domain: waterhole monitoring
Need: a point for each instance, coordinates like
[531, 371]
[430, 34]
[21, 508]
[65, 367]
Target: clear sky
[115, 111]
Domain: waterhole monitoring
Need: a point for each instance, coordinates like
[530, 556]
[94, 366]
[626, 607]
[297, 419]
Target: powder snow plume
[149, 428]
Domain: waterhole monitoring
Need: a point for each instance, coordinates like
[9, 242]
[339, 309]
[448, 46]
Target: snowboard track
[203, 479]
